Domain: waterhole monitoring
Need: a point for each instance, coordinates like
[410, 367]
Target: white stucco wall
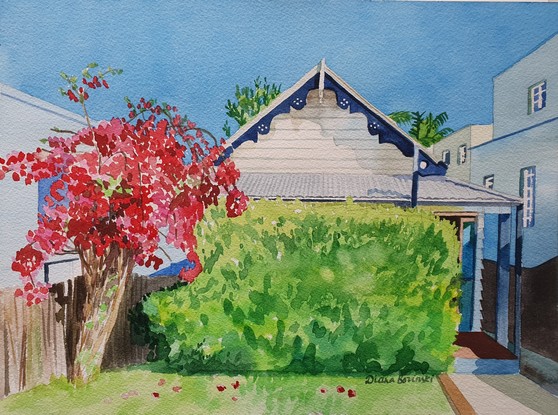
[24, 120]
[511, 89]
[524, 140]
[505, 158]
[470, 135]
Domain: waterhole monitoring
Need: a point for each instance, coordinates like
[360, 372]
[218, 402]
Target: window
[446, 157]
[537, 97]
[462, 155]
[527, 182]
[488, 181]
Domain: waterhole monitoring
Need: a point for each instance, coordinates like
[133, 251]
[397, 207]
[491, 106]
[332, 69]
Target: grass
[132, 391]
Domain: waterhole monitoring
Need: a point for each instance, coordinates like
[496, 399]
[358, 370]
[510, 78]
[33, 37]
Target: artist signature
[398, 379]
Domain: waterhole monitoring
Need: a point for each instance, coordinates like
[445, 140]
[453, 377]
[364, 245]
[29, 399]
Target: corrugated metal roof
[372, 188]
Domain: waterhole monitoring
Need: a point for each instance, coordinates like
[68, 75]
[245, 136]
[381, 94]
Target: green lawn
[134, 391]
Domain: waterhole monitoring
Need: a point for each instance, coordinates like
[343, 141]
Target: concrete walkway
[505, 394]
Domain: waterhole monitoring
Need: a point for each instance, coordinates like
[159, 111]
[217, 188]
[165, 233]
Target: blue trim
[376, 124]
[173, 269]
[432, 168]
[296, 100]
[515, 132]
[414, 189]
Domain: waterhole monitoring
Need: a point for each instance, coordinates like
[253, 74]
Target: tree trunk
[106, 278]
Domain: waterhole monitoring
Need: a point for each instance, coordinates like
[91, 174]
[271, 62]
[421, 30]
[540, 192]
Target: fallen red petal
[221, 388]
[351, 393]
[234, 398]
[235, 384]
[323, 390]
[155, 394]
[162, 382]
[340, 389]
[177, 388]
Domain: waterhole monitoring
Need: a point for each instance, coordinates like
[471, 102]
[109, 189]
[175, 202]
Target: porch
[480, 354]
[490, 246]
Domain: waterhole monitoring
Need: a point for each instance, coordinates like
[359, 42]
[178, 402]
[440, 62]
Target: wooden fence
[36, 342]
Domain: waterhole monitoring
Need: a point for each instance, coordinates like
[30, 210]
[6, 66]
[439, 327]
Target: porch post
[503, 279]
[414, 189]
[477, 285]
[518, 270]
[415, 182]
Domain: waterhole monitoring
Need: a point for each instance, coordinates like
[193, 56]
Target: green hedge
[310, 288]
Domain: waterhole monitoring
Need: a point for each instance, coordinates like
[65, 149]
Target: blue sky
[399, 55]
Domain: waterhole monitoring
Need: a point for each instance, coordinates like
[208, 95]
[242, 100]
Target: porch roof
[432, 190]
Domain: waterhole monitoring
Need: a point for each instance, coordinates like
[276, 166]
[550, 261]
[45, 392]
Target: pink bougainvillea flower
[351, 393]
[155, 394]
[221, 388]
[235, 384]
[161, 382]
[340, 389]
[177, 388]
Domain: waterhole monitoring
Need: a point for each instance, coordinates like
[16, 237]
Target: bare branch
[58, 130]
[166, 254]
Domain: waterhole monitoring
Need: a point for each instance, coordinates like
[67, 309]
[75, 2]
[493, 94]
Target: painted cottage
[322, 141]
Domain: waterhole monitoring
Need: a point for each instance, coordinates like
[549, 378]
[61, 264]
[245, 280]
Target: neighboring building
[322, 141]
[454, 149]
[522, 159]
[24, 120]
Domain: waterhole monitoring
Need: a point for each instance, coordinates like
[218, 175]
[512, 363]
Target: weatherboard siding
[321, 138]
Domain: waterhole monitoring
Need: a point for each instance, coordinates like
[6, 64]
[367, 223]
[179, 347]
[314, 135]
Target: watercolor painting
[278, 208]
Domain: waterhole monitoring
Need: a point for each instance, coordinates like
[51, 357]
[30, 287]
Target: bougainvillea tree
[120, 189]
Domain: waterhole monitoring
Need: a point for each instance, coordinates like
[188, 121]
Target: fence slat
[38, 341]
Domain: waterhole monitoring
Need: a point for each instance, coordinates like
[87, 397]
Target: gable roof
[322, 77]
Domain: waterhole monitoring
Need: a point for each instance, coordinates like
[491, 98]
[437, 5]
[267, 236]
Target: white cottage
[322, 141]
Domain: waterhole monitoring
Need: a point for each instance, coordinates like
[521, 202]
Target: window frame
[485, 180]
[462, 158]
[531, 109]
[446, 157]
[528, 197]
